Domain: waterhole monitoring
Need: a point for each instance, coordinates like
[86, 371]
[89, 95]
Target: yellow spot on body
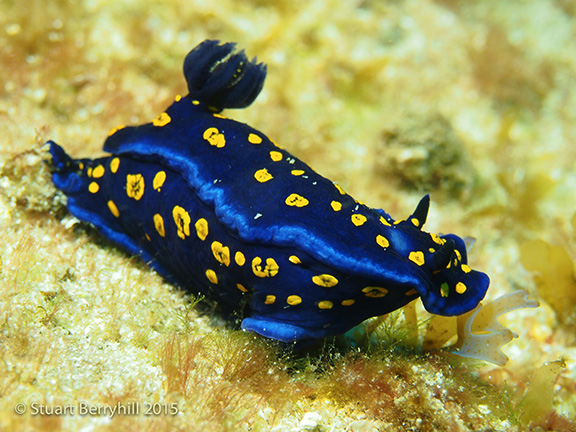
[336, 206]
[466, 269]
[458, 254]
[201, 226]
[436, 238]
[116, 129]
[177, 98]
[358, 219]
[325, 280]
[240, 258]
[461, 288]
[398, 221]
[294, 259]
[276, 156]
[195, 102]
[325, 304]
[339, 189]
[114, 164]
[241, 287]
[295, 200]
[270, 299]
[93, 187]
[113, 209]
[254, 139]
[297, 172]
[162, 120]
[182, 221]
[411, 292]
[147, 236]
[382, 241]
[98, 171]
[269, 270]
[415, 221]
[262, 175]
[221, 253]
[219, 116]
[416, 257]
[80, 165]
[294, 300]
[214, 137]
[159, 225]
[89, 172]
[384, 221]
[211, 275]
[444, 289]
[374, 292]
[431, 250]
[134, 186]
[348, 302]
[159, 180]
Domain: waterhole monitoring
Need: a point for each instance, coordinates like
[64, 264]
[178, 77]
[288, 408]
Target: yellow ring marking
[295, 200]
[294, 259]
[276, 156]
[116, 129]
[384, 221]
[98, 171]
[294, 300]
[159, 225]
[201, 226]
[269, 270]
[325, 280]
[211, 275]
[263, 175]
[113, 209]
[436, 238]
[358, 219]
[159, 180]
[221, 253]
[214, 137]
[325, 304]
[417, 257]
[114, 164]
[93, 187]
[134, 186]
[182, 221]
[461, 288]
[382, 241]
[240, 258]
[254, 139]
[162, 120]
[374, 292]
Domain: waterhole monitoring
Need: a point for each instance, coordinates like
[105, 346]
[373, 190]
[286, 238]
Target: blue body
[216, 207]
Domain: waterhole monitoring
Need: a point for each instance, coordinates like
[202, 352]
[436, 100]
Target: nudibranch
[216, 207]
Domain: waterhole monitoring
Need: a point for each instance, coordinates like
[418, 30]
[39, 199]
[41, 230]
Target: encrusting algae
[82, 322]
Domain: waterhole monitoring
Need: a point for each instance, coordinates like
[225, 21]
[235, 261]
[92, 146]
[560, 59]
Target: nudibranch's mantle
[217, 207]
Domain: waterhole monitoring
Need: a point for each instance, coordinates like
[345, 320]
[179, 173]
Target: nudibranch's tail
[221, 78]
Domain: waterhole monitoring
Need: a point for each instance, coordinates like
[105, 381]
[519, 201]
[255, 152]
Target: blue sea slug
[216, 207]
